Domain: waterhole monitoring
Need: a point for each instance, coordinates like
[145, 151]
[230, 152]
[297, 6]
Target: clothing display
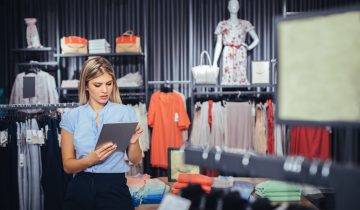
[141, 114]
[208, 124]
[168, 118]
[234, 64]
[144, 190]
[45, 89]
[99, 46]
[278, 191]
[270, 119]
[184, 180]
[130, 80]
[70, 83]
[260, 138]
[36, 177]
[310, 142]
[239, 125]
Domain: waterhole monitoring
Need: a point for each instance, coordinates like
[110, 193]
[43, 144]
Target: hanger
[166, 87]
[34, 67]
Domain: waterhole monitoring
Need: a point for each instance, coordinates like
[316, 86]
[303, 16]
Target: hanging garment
[239, 125]
[234, 53]
[141, 114]
[45, 89]
[29, 170]
[270, 127]
[200, 132]
[9, 194]
[279, 137]
[217, 134]
[310, 142]
[260, 138]
[168, 118]
[54, 180]
[185, 133]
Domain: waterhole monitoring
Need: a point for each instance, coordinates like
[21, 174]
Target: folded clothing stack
[223, 182]
[99, 46]
[130, 80]
[278, 191]
[70, 84]
[144, 190]
[184, 180]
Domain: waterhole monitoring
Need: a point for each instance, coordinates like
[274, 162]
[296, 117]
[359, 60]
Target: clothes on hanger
[168, 118]
[45, 89]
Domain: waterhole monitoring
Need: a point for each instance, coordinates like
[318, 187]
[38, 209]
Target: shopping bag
[205, 74]
[128, 42]
[260, 72]
[74, 45]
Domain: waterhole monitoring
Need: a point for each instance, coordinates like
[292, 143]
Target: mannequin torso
[231, 34]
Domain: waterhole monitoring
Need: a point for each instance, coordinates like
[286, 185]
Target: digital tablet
[117, 133]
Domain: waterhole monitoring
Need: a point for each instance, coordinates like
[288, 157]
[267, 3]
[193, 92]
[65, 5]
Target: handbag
[260, 72]
[128, 42]
[205, 74]
[74, 45]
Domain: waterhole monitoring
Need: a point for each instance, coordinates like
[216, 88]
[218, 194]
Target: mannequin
[231, 34]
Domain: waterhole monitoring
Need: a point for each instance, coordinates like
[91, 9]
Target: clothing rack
[169, 82]
[239, 93]
[38, 106]
[344, 178]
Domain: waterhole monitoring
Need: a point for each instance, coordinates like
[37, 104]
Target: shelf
[121, 88]
[98, 54]
[44, 49]
[54, 63]
[234, 86]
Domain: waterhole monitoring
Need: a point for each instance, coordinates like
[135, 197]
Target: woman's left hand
[135, 137]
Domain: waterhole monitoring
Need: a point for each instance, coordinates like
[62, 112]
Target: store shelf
[98, 54]
[234, 86]
[54, 63]
[121, 88]
[44, 49]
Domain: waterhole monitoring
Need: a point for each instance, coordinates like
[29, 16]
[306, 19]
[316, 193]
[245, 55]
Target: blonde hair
[91, 69]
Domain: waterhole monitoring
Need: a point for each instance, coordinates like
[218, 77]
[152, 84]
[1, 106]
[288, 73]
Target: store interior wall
[173, 33]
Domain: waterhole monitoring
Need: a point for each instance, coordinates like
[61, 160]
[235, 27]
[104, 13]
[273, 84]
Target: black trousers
[98, 191]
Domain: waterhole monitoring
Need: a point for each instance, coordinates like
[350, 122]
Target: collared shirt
[81, 122]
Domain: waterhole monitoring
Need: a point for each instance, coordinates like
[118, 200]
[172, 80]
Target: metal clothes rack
[169, 82]
[344, 178]
[37, 106]
[239, 93]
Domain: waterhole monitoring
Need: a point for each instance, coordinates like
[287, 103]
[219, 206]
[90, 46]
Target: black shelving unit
[43, 51]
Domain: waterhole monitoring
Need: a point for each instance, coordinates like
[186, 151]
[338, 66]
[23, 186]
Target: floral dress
[234, 54]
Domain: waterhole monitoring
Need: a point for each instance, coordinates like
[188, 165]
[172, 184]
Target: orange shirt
[167, 116]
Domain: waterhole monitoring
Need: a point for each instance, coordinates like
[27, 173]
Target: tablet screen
[117, 133]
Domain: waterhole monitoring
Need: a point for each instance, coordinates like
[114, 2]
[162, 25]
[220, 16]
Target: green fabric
[276, 186]
[284, 198]
[277, 194]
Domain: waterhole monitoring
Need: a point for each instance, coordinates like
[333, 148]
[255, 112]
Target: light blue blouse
[81, 122]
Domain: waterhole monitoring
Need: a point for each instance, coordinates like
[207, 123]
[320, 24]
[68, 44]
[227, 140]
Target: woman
[99, 182]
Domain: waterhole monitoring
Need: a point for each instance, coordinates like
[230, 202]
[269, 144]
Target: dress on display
[234, 53]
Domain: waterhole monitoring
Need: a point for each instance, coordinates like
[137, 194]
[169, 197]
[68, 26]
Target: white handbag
[260, 72]
[205, 74]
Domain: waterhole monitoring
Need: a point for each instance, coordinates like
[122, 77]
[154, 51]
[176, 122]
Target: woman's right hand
[101, 153]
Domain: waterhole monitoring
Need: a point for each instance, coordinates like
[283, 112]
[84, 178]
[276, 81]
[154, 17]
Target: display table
[303, 201]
